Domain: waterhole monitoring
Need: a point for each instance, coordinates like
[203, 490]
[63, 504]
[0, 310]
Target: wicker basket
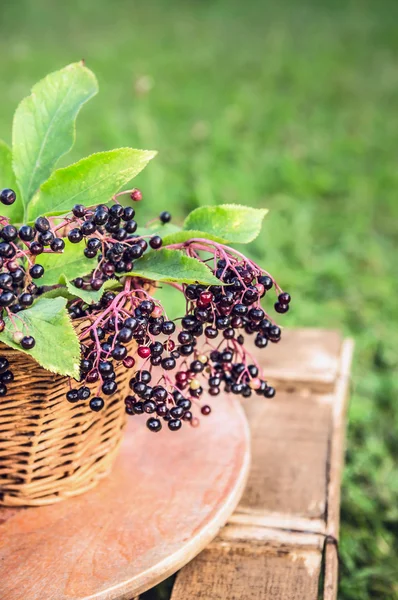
[51, 449]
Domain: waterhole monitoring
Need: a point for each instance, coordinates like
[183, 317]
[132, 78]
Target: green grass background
[288, 105]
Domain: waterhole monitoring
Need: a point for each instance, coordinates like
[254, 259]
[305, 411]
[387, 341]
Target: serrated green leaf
[174, 267]
[44, 124]
[64, 266]
[179, 237]
[232, 222]
[158, 228]
[58, 292]
[8, 180]
[92, 180]
[49, 323]
[92, 296]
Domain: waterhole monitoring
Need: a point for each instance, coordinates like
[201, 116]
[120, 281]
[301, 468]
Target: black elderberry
[184, 403]
[7, 377]
[165, 217]
[131, 226]
[168, 363]
[6, 250]
[94, 243]
[57, 245]
[116, 210]
[101, 216]
[6, 281]
[256, 314]
[223, 322]
[138, 408]
[186, 349]
[88, 227]
[18, 276]
[266, 282]
[253, 370]
[105, 368]
[155, 242]
[79, 210]
[274, 333]
[96, 283]
[154, 424]
[72, 396]
[36, 248]
[184, 337]
[9, 233]
[109, 387]
[226, 356]
[84, 393]
[45, 238]
[284, 298]
[156, 348]
[4, 364]
[6, 298]
[261, 341]
[269, 392]
[26, 233]
[143, 244]
[119, 352]
[174, 424]
[159, 393]
[128, 213]
[188, 322]
[42, 224]
[26, 299]
[149, 406]
[75, 235]
[96, 404]
[176, 412]
[281, 308]
[191, 292]
[7, 196]
[28, 342]
[144, 376]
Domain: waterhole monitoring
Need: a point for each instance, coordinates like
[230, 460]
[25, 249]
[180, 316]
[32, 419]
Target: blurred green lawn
[289, 105]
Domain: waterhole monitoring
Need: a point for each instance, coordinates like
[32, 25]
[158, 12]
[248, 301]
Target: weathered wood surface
[288, 518]
[166, 499]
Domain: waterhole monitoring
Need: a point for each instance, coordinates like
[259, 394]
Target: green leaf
[58, 292]
[44, 124]
[232, 222]
[7, 180]
[64, 266]
[179, 237]
[174, 267]
[92, 180]
[92, 296]
[57, 346]
[158, 228]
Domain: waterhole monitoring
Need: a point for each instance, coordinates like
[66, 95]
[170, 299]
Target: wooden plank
[273, 545]
[290, 444]
[304, 358]
[250, 572]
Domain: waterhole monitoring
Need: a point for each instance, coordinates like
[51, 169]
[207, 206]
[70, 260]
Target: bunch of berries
[127, 330]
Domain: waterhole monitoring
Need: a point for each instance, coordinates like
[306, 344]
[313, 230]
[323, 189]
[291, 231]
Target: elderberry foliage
[79, 274]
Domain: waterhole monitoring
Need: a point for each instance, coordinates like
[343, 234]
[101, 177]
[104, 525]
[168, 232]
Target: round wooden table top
[166, 499]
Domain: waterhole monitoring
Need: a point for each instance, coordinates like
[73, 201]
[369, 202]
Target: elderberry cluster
[110, 238]
[206, 353]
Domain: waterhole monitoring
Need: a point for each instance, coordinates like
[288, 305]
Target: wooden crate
[281, 543]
